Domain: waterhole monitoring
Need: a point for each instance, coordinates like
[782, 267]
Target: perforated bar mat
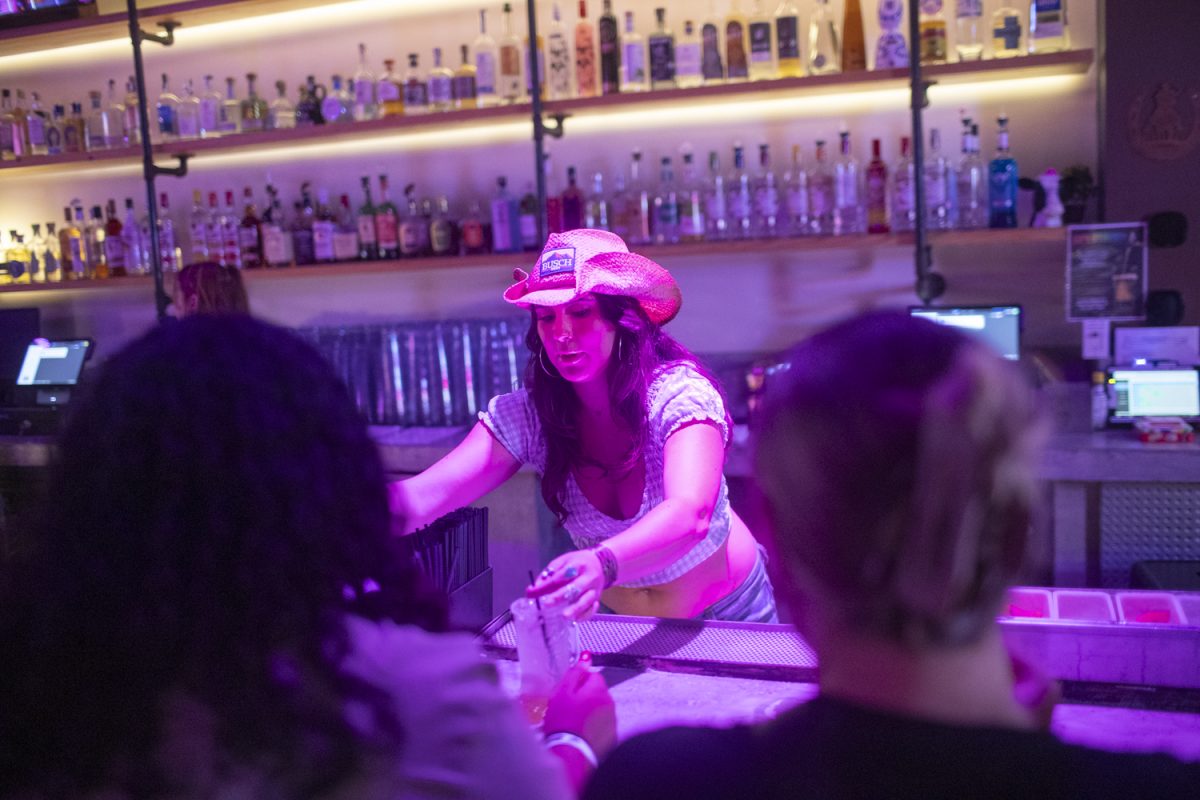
[733, 649]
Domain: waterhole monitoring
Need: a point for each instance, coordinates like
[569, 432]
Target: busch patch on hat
[558, 261]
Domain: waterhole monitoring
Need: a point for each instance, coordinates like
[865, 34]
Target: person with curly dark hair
[215, 605]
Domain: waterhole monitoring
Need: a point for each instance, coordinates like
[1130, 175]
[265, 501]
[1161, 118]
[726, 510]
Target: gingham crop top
[678, 395]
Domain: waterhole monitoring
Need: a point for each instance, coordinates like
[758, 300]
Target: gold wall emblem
[1164, 122]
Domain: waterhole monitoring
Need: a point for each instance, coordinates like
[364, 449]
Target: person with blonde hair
[898, 462]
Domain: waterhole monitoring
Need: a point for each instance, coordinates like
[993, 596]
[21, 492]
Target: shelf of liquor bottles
[115, 25]
[280, 144]
[669, 254]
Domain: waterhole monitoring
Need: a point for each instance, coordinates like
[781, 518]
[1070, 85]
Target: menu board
[1106, 271]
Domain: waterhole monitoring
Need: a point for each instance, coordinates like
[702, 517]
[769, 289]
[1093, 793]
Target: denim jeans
[753, 601]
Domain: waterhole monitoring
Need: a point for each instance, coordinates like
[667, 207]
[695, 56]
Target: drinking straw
[537, 602]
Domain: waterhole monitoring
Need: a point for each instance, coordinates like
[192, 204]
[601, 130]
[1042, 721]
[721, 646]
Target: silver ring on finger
[572, 593]
[572, 573]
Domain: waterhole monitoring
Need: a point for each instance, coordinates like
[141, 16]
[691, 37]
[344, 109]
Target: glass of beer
[547, 646]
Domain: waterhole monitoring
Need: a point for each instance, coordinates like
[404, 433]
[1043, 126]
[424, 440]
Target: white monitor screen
[1154, 393]
[53, 363]
[999, 326]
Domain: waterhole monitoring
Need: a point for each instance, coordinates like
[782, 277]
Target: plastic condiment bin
[1079, 605]
[1190, 605]
[1029, 603]
[1157, 608]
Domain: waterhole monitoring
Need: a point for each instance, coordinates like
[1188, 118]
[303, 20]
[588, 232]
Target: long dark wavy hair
[216, 510]
[641, 351]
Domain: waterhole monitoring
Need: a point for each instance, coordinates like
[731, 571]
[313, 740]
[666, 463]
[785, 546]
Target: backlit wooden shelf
[503, 263]
[69, 162]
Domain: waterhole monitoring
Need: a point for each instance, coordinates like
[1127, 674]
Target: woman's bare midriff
[689, 594]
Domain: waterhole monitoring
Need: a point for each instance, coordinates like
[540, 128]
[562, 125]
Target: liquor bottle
[474, 232]
[641, 203]
[414, 227]
[527, 219]
[114, 244]
[933, 32]
[169, 254]
[37, 249]
[539, 58]
[416, 91]
[633, 59]
[486, 56]
[366, 105]
[231, 110]
[135, 244]
[231, 246]
[464, 88]
[302, 227]
[509, 84]
[798, 221]
[554, 205]
[324, 226]
[737, 66]
[585, 55]
[189, 113]
[35, 125]
[877, 191]
[666, 205]
[93, 246]
[345, 235]
[210, 109]
[740, 194]
[854, 45]
[338, 105]
[282, 114]
[213, 232]
[17, 258]
[166, 107]
[387, 223]
[71, 244]
[1002, 182]
[133, 130]
[198, 224]
[250, 233]
[443, 233]
[824, 41]
[75, 131]
[688, 51]
[51, 255]
[7, 119]
[558, 58]
[821, 193]
[96, 138]
[506, 235]
[767, 218]
[691, 201]
[596, 210]
[891, 48]
[390, 91]
[1048, 26]
[368, 243]
[610, 51]
[572, 203]
[968, 30]
[277, 243]
[440, 84]
[939, 214]
[712, 65]
[55, 126]
[787, 40]
[661, 45]
[254, 108]
[847, 190]
[20, 126]
[972, 182]
[904, 180]
[308, 106]
[716, 205]
[762, 44]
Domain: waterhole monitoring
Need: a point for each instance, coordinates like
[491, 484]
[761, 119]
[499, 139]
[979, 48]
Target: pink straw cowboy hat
[587, 260]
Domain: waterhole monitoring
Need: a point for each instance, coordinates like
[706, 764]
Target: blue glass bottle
[1002, 182]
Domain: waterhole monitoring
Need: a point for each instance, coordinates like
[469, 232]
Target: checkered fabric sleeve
[513, 420]
[680, 395]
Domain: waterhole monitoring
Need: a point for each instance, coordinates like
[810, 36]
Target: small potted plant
[1075, 188]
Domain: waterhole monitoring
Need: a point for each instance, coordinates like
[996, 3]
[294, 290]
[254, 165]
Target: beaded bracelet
[608, 563]
[577, 743]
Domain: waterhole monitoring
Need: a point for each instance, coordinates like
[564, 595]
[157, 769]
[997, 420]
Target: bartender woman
[628, 433]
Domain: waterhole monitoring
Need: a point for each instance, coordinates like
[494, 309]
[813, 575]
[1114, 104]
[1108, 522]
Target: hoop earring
[620, 348]
[542, 364]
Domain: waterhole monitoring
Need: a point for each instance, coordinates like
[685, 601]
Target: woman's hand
[573, 580]
[582, 705]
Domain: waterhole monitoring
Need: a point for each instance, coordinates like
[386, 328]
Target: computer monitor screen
[999, 326]
[53, 363]
[1154, 393]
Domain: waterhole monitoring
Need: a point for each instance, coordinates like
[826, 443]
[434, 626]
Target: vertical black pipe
[161, 300]
[921, 254]
[539, 133]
